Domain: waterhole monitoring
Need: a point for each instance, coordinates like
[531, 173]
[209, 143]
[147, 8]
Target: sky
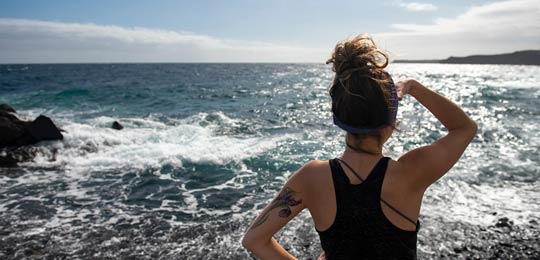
[60, 31]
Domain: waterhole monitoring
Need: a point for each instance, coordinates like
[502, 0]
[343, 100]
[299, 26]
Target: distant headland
[527, 57]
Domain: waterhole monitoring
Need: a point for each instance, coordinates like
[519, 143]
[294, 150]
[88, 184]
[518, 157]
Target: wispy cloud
[491, 28]
[44, 41]
[414, 6]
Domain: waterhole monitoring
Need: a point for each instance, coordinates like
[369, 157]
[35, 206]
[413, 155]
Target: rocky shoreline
[439, 239]
[157, 239]
[502, 240]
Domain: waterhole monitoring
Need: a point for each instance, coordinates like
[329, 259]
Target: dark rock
[11, 128]
[12, 156]
[460, 249]
[7, 108]
[506, 244]
[8, 161]
[504, 222]
[15, 133]
[117, 126]
[43, 129]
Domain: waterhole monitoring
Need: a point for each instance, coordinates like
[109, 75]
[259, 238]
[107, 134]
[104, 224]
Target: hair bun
[359, 54]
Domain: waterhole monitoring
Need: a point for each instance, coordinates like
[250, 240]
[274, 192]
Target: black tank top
[360, 229]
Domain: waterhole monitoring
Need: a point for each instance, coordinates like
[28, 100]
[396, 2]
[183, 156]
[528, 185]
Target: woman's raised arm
[427, 164]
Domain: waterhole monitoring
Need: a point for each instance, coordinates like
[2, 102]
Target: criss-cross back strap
[386, 203]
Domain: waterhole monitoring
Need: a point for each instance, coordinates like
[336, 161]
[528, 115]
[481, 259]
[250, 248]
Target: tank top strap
[342, 185]
[338, 176]
[376, 174]
[375, 177]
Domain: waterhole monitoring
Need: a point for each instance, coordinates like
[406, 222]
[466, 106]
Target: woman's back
[351, 219]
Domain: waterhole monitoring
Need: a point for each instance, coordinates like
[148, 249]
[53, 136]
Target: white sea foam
[143, 143]
[91, 146]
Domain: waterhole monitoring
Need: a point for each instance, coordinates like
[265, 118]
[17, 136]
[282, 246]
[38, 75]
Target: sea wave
[147, 142]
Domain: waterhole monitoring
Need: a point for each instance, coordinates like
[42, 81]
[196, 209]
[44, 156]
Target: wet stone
[117, 126]
[504, 222]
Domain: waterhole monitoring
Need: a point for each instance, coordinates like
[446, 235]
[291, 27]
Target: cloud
[414, 6]
[491, 28]
[44, 41]
[496, 27]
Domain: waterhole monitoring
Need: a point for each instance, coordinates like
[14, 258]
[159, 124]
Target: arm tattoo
[284, 201]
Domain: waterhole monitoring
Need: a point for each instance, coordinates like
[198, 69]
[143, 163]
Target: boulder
[7, 108]
[12, 129]
[504, 222]
[117, 126]
[43, 129]
[11, 156]
[8, 161]
[15, 133]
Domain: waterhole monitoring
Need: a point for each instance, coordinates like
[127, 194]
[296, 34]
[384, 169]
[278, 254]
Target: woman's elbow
[468, 129]
[249, 242]
[246, 243]
[473, 128]
[252, 243]
[472, 124]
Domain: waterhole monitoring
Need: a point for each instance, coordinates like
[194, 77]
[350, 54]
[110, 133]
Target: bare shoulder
[399, 168]
[402, 170]
[314, 167]
[312, 178]
[312, 172]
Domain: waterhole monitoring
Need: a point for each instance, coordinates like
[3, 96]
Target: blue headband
[355, 130]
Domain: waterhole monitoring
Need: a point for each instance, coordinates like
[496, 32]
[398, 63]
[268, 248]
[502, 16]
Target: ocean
[206, 146]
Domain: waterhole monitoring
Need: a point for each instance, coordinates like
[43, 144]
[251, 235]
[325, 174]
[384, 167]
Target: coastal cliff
[526, 57]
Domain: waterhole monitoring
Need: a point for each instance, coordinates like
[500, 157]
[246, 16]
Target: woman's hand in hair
[403, 87]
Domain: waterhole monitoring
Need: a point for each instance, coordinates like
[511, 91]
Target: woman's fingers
[401, 90]
[403, 87]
